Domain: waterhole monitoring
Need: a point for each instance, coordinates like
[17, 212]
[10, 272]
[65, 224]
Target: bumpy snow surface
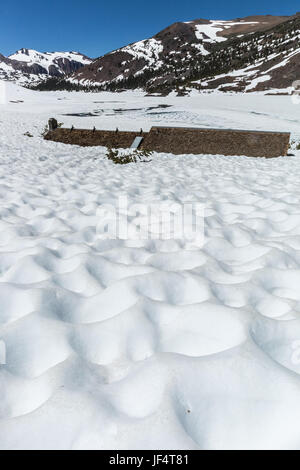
[147, 344]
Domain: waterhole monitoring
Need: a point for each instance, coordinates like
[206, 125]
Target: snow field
[128, 344]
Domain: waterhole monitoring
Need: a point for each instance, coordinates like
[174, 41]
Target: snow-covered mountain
[256, 53]
[28, 65]
[245, 54]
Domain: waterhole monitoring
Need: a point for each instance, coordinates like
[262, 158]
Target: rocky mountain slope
[256, 53]
[27, 65]
[245, 54]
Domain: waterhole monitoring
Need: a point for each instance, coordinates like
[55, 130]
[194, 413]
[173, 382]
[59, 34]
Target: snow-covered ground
[147, 344]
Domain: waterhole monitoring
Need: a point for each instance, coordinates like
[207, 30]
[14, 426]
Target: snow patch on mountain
[45, 59]
[209, 32]
[149, 50]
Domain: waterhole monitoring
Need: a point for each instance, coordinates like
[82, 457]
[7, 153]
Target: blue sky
[95, 27]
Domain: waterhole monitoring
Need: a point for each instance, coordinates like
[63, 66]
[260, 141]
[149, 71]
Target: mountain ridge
[254, 53]
[179, 54]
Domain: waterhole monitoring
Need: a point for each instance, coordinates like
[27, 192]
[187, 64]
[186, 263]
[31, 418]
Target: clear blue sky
[95, 27]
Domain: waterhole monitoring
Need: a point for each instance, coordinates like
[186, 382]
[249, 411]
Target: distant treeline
[57, 84]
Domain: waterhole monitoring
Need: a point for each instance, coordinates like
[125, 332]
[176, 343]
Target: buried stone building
[180, 140]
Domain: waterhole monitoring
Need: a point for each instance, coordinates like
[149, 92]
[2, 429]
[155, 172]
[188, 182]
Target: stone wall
[217, 141]
[182, 140]
[90, 138]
